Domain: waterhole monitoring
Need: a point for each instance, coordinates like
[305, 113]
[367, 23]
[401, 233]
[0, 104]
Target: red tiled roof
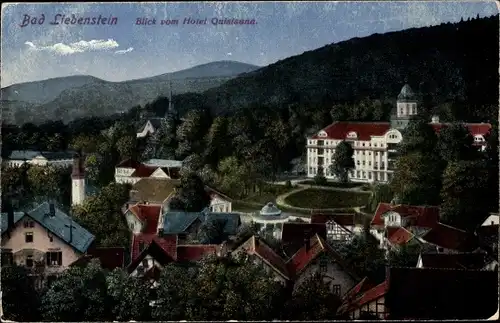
[420, 216]
[364, 130]
[155, 250]
[302, 258]
[195, 252]
[371, 295]
[362, 286]
[268, 255]
[148, 214]
[167, 243]
[143, 171]
[295, 233]
[474, 128]
[129, 163]
[452, 238]
[110, 258]
[398, 235]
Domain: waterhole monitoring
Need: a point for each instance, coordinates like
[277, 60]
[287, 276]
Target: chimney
[435, 119]
[52, 210]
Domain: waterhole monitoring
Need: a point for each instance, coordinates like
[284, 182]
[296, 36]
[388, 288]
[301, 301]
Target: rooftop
[163, 163]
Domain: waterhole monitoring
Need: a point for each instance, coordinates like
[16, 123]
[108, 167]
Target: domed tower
[78, 180]
[406, 107]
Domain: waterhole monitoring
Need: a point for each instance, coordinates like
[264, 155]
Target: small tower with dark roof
[78, 180]
[406, 107]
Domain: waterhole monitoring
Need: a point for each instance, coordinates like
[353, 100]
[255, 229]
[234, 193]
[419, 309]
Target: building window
[323, 265]
[28, 237]
[363, 144]
[7, 258]
[370, 175]
[357, 162]
[363, 163]
[145, 263]
[29, 224]
[29, 261]
[54, 258]
[336, 289]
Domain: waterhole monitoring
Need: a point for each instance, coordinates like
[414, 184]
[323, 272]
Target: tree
[191, 195]
[417, 179]
[313, 300]
[418, 136]
[192, 164]
[50, 182]
[216, 141]
[20, 299]
[176, 292]
[127, 295]
[213, 232]
[364, 255]
[234, 176]
[320, 178]
[126, 147]
[380, 193]
[405, 255]
[101, 214]
[343, 161]
[455, 142]
[79, 292]
[93, 167]
[465, 203]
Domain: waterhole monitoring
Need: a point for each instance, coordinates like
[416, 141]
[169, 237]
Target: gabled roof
[295, 233]
[398, 235]
[470, 260]
[128, 163]
[302, 258]
[354, 292]
[147, 214]
[443, 235]
[420, 216]
[23, 154]
[364, 130]
[156, 122]
[438, 294]
[212, 190]
[167, 242]
[59, 226]
[365, 297]
[156, 250]
[342, 219]
[258, 247]
[168, 163]
[195, 252]
[4, 219]
[179, 222]
[143, 171]
[153, 190]
[474, 128]
[110, 258]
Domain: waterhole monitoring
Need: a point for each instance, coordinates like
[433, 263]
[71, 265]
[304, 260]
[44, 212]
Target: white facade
[38, 161]
[122, 175]
[77, 191]
[493, 219]
[370, 156]
[148, 129]
[220, 205]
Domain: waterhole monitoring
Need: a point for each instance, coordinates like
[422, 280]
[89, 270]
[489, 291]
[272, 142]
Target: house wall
[41, 243]
[147, 263]
[377, 307]
[159, 173]
[133, 222]
[218, 204]
[335, 232]
[493, 219]
[148, 128]
[334, 275]
[392, 219]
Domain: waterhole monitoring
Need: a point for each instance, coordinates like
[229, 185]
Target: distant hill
[67, 98]
[446, 63]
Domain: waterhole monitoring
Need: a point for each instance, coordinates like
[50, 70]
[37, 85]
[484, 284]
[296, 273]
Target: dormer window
[322, 134]
[478, 138]
[352, 135]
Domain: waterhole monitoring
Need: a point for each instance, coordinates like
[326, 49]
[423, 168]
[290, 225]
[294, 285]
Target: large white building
[374, 143]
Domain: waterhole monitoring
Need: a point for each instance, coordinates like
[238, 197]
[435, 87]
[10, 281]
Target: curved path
[280, 200]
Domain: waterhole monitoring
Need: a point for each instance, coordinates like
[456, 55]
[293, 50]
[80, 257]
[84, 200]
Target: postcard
[247, 161]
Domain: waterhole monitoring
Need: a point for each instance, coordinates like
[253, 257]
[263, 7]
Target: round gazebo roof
[270, 210]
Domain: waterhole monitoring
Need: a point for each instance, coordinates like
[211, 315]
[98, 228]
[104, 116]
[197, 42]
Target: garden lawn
[268, 194]
[327, 199]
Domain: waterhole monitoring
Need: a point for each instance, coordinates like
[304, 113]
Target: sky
[125, 50]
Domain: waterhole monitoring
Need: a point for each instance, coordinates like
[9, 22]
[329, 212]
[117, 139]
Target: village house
[374, 143]
[396, 224]
[294, 234]
[314, 257]
[18, 158]
[143, 218]
[340, 226]
[447, 239]
[492, 219]
[109, 258]
[131, 171]
[44, 237]
[470, 260]
[413, 293]
[158, 191]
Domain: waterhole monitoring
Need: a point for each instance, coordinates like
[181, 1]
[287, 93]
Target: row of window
[52, 259]
[354, 143]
